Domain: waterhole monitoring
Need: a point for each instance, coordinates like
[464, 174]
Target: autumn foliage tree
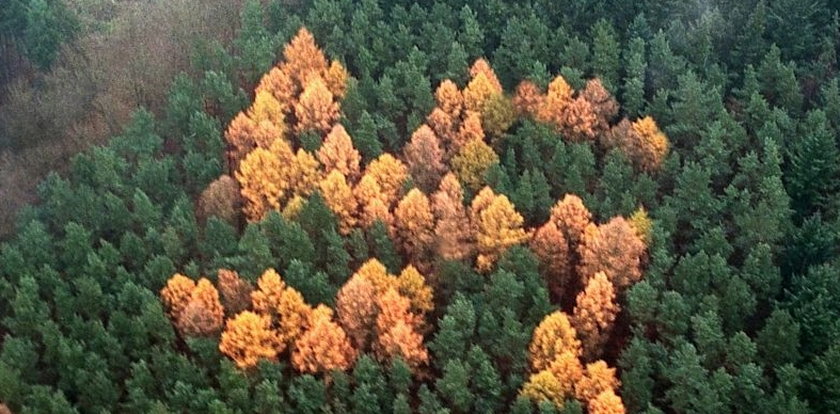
[424, 157]
[613, 248]
[498, 227]
[203, 314]
[248, 338]
[551, 248]
[454, 240]
[396, 331]
[552, 337]
[357, 309]
[176, 294]
[389, 174]
[472, 161]
[235, 291]
[594, 314]
[571, 217]
[316, 110]
[337, 153]
[324, 346]
[339, 197]
[414, 225]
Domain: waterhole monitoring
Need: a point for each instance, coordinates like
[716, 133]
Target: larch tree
[557, 99]
[176, 294]
[446, 128]
[424, 157]
[642, 224]
[315, 110]
[235, 291]
[339, 197]
[606, 403]
[337, 153]
[304, 173]
[266, 298]
[412, 284]
[324, 346]
[577, 122]
[336, 79]
[528, 99]
[414, 226]
[603, 104]
[356, 307]
[544, 386]
[293, 315]
[372, 203]
[553, 336]
[552, 250]
[390, 174]
[594, 315]
[567, 367]
[478, 91]
[571, 217]
[375, 272]
[280, 84]
[449, 99]
[248, 338]
[266, 108]
[261, 183]
[472, 161]
[599, 377]
[204, 314]
[396, 331]
[454, 239]
[302, 58]
[613, 248]
[220, 199]
[481, 66]
[470, 129]
[497, 116]
[499, 227]
[650, 145]
[240, 138]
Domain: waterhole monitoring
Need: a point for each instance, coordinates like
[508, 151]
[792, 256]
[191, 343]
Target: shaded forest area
[435, 207]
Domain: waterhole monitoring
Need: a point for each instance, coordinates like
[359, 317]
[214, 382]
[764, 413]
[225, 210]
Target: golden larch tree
[499, 227]
[454, 234]
[304, 173]
[375, 272]
[337, 153]
[567, 367]
[372, 202]
[302, 57]
[497, 116]
[315, 109]
[266, 298]
[248, 338]
[293, 314]
[356, 307]
[470, 129]
[240, 137]
[528, 98]
[414, 226]
[446, 128]
[553, 336]
[390, 174]
[552, 250]
[544, 386]
[613, 248]
[324, 346]
[642, 224]
[603, 104]
[266, 108]
[577, 121]
[266, 133]
[558, 97]
[449, 99]
[481, 66]
[336, 79]
[606, 403]
[235, 291]
[650, 144]
[571, 217]
[478, 91]
[396, 329]
[204, 313]
[279, 83]
[424, 157]
[261, 183]
[412, 285]
[339, 197]
[599, 377]
[472, 161]
[594, 315]
[176, 294]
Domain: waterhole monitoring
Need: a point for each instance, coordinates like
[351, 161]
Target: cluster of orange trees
[420, 196]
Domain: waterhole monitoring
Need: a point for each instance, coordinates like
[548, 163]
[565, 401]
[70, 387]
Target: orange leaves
[599, 378]
[396, 327]
[571, 217]
[449, 99]
[195, 309]
[424, 157]
[414, 225]
[528, 99]
[303, 58]
[552, 337]
[606, 403]
[390, 174]
[315, 109]
[236, 293]
[324, 346]
[356, 308]
[552, 251]
[613, 248]
[176, 294]
[339, 197]
[266, 298]
[454, 239]
[594, 314]
[247, 338]
[498, 227]
[266, 108]
[261, 183]
[337, 153]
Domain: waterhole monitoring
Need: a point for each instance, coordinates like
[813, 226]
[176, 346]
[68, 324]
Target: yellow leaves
[478, 92]
[499, 227]
[606, 403]
[324, 346]
[497, 115]
[642, 224]
[651, 145]
[449, 99]
[598, 378]
[303, 58]
[390, 174]
[336, 79]
[376, 273]
[266, 108]
[396, 327]
[544, 386]
[472, 162]
[315, 109]
[594, 314]
[261, 183]
[553, 336]
[270, 287]
[481, 66]
[414, 225]
[411, 284]
[337, 153]
[339, 197]
[176, 294]
[247, 338]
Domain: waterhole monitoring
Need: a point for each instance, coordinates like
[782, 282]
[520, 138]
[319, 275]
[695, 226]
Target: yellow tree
[424, 157]
[235, 292]
[577, 121]
[315, 109]
[336, 79]
[613, 248]
[304, 173]
[642, 224]
[176, 294]
[497, 115]
[375, 272]
[266, 108]
[412, 285]
[478, 91]
[606, 403]
[414, 225]
[240, 136]
[594, 315]
[481, 66]
[552, 250]
[472, 161]
[449, 99]
[293, 314]
[280, 84]
[337, 153]
[397, 334]
[571, 217]
[454, 239]
[552, 337]
[544, 386]
[649, 145]
[499, 227]
[356, 307]
[266, 298]
[559, 97]
[248, 338]
[371, 202]
[204, 313]
[261, 183]
[339, 197]
[302, 57]
[324, 346]
[390, 174]
[598, 378]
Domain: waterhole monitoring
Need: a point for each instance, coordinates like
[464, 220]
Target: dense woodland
[435, 207]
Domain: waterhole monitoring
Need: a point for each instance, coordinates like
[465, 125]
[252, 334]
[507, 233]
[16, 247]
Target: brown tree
[424, 157]
[248, 338]
[397, 334]
[594, 314]
[470, 129]
[571, 217]
[220, 199]
[604, 105]
[559, 96]
[337, 153]
[577, 121]
[356, 307]
[315, 109]
[613, 248]
[240, 138]
[552, 250]
[454, 239]
[414, 226]
[598, 378]
[204, 314]
[528, 99]
[235, 292]
[324, 346]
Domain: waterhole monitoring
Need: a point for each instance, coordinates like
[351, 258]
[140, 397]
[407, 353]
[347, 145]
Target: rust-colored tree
[470, 129]
[324, 346]
[390, 174]
[176, 294]
[577, 122]
[414, 226]
[315, 109]
[571, 218]
[613, 248]
[356, 307]
[339, 197]
[235, 292]
[397, 334]
[240, 136]
[552, 337]
[220, 199]
[651, 145]
[281, 85]
[528, 99]
[424, 157]
[372, 203]
[599, 377]
[606, 403]
[481, 66]
[449, 99]
[558, 97]
[248, 338]
[375, 272]
[594, 314]
[293, 314]
[603, 104]
[204, 313]
[337, 153]
[499, 227]
[552, 250]
[454, 234]
[302, 59]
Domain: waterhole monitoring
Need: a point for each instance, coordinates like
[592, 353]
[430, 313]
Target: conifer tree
[414, 226]
[337, 153]
[594, 314]
[553, 336]
[613, 248]
[324, 346]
